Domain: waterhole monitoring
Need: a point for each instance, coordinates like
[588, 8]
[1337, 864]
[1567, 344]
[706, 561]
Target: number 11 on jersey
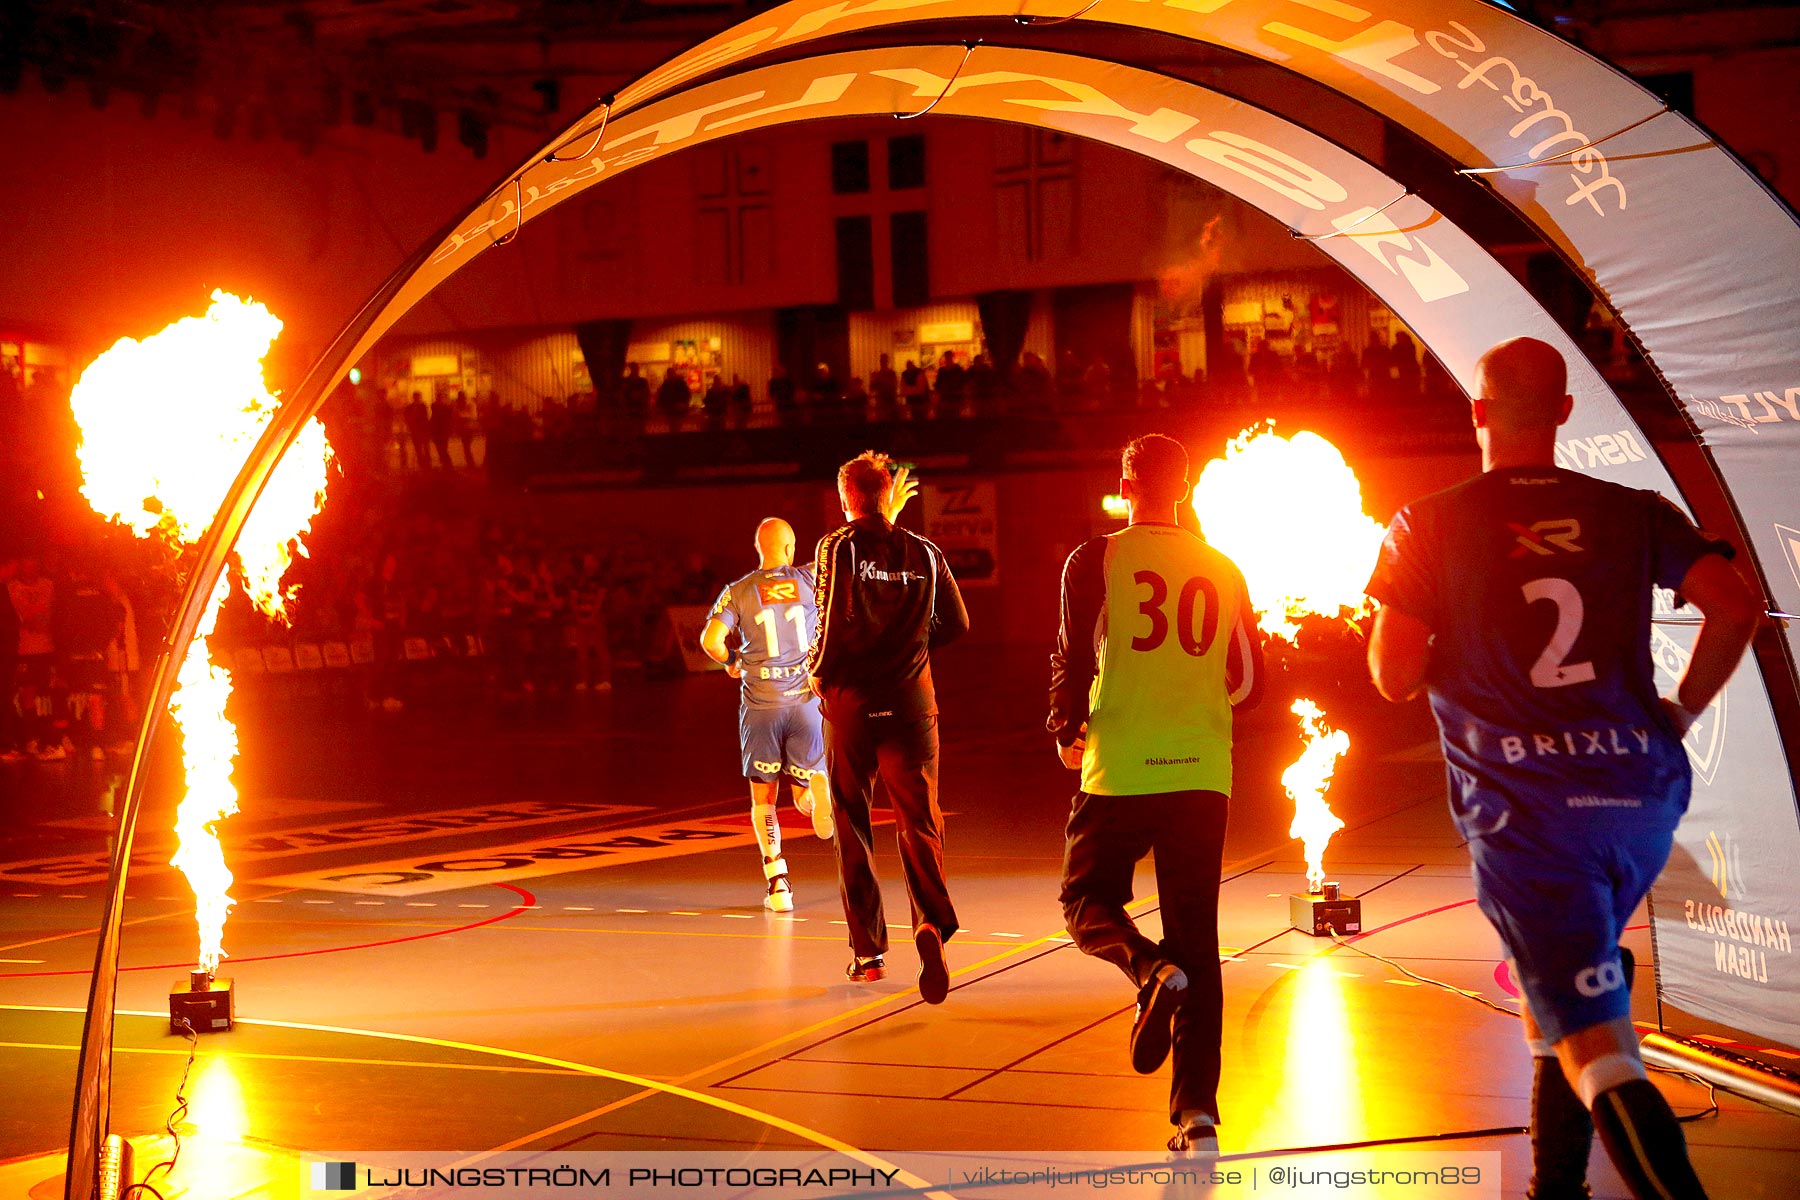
[796, 615]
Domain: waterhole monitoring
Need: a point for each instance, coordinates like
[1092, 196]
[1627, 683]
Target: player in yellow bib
[1158, 644]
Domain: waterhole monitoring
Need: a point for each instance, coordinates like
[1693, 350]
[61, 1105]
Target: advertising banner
[964, 522]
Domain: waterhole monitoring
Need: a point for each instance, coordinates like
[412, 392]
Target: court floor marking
[678, 933]
[57, 937]
[1020, 953]
[183, 1052]
[1012, 951]
[732, 1107]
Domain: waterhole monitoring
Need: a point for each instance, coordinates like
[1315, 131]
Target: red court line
[1403, 920]
[526, 900]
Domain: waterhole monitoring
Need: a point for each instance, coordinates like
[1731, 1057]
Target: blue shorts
[787, 739]
[1560, 900]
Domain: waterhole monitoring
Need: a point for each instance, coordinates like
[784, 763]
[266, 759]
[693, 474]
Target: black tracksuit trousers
[903, 751]
[1107, 835]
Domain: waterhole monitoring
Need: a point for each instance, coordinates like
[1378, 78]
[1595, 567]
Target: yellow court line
[305, 1058]
[823, 1140]
[57, 937]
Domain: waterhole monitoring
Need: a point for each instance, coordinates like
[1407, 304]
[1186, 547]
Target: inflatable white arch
[1619, 192]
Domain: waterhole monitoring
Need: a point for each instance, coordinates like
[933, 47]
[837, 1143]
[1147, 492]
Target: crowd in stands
[414, 591]
[402, 431]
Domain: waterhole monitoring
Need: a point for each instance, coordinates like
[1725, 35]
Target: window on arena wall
[733, 215]
[1034, 192]
[849, 168]
[906, 162]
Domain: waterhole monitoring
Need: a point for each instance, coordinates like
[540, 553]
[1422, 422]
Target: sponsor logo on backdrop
[1727, 868]
[1790, 546]
[1705, 740]
[1742, 938]
[963, 522]
[1601, 450]
[1365, 44]
[1747, 410]
[1543, 128]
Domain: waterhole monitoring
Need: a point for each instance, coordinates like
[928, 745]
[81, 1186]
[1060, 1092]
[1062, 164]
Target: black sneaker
[865, 970]
[1150, 1032]
[934, 972]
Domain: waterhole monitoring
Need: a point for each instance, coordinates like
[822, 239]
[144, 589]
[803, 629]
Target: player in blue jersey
[772, 613]
[1521, 600]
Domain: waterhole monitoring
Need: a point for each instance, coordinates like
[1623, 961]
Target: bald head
[775, 542]
[1522, 385]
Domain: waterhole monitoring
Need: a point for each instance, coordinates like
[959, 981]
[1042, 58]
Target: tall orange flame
[1289, 513]
[166, 424]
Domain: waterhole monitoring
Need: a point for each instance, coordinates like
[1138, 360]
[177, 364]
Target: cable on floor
[1712, 1093]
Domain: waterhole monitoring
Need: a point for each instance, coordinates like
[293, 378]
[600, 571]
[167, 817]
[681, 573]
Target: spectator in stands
[393, 436]
[856, 399]
[1405, 366]
[916, 390]
[884, 387]
[443, 425]
[984, 385]
[781, 395]
[493, 422]
[715, 401]
[1033, 383]
[34, 599]
[466, 427]
[122, 657]
[741, 402]
[952, 379]
[418, 429]
[587, 627]
[1096, 381]
[673, 398]
[1071, 378]
[827, 395]
[87, 621]
[635, 392]
[9, 663]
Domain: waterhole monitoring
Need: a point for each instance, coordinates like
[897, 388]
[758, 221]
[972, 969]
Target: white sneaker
[824, 828]
[781, 894]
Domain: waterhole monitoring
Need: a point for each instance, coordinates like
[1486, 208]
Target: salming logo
[1545, 537]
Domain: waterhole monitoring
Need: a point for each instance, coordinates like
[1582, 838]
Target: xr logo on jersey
[1546, 537]
[779, 591]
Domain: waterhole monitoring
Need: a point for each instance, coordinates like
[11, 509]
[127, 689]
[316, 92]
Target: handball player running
[771, 612]
[1521, 600]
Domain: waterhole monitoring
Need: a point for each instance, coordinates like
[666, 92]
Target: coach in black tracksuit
[885, 599]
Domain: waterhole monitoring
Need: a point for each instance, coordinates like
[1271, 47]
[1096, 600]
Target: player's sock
[767, 823]
[1644, 1140]
[1562, 1132]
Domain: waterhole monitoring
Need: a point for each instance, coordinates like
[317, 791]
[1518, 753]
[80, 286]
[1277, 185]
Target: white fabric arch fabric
[1692, 254]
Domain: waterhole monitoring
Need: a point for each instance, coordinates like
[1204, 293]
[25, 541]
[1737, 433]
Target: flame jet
[1289, 513]
[166, 423]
